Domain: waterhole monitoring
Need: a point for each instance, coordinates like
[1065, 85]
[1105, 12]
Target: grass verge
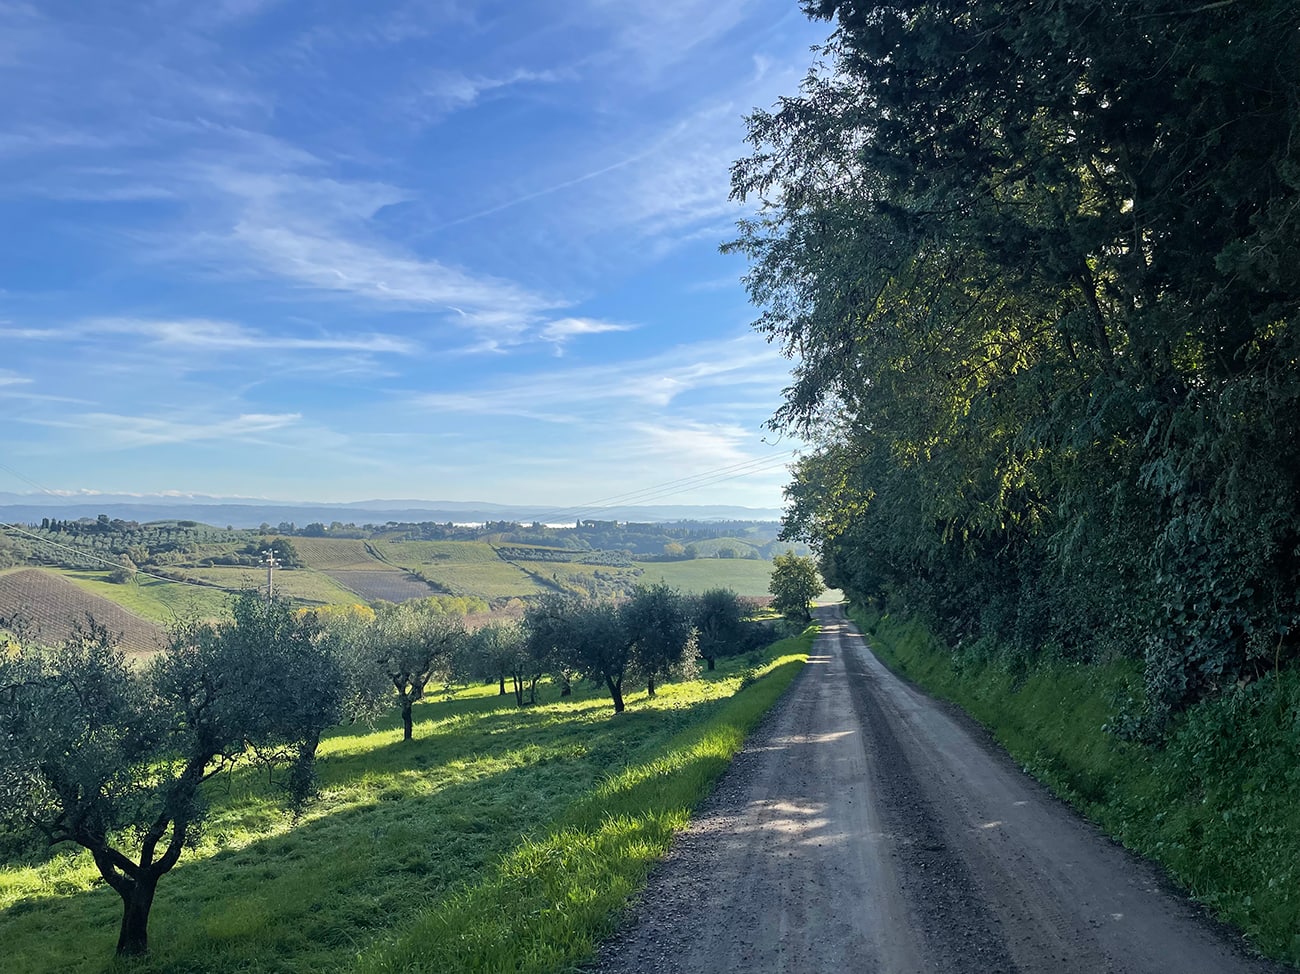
[553, 898]
[1218, 805]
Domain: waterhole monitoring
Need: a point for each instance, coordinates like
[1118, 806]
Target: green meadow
[154, 599]
[499, 839]
[744, 576]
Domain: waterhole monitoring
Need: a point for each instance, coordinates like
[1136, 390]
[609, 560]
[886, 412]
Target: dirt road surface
[867, 828]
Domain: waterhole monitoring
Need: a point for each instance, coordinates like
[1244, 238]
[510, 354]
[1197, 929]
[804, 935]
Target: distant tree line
[89, 542]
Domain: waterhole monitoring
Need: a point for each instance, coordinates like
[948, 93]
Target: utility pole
[269, 555]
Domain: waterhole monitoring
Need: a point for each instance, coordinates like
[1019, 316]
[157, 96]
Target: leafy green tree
[1040, 276]
[586, 636]
[548, 628]
[286, 555]
[501, 649]
[113, 758]
[657, 622]
[345, 635]
[123, 572]
[412, 648]
[794, 585]
[717, 617]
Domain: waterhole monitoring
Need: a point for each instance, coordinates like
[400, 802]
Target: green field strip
[743, 576]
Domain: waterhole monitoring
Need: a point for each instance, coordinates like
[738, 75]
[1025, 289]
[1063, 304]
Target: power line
[28, 480]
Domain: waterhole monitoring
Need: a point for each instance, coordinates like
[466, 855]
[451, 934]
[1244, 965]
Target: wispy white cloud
[326, 259]
[653, 37]
[711, 445]
[563, 329]
[114, 431]
[401, 23]
[199, 334]
[443, 92]
[567, 395]
[320, 235]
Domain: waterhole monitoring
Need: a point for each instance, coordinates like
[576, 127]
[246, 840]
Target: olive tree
[587, 637]
[503, 648]
[113, 758]
[656, 621]
[717, 617]
[412, 648]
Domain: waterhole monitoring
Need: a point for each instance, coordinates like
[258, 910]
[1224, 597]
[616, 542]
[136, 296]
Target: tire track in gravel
[866, 827]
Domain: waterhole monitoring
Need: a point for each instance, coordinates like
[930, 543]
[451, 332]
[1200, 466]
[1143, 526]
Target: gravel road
[868, 828]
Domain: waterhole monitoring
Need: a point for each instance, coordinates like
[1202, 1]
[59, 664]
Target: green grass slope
[330, 554]
[462, 567]
[302, 584]
[499, 839]
[157, 600]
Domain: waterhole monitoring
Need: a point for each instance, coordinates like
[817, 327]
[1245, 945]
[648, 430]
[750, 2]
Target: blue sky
[336, 251]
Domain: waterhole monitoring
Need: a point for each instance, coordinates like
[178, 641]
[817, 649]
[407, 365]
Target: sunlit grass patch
[402, 831]
[550, 900]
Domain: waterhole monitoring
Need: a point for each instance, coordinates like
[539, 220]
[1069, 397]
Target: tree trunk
[710, 659]
[519, 689]
[616, 693]
[137, 900]
[406, 720]
[502, 691]
[650, 685]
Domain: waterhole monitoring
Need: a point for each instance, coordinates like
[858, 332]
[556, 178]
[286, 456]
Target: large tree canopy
[1039, 266]
[113, 757]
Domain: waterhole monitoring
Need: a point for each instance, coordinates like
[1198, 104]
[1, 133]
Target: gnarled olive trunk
[615, 692]
[137, 900]
[407, 728]
[650, 685]
[710, 661]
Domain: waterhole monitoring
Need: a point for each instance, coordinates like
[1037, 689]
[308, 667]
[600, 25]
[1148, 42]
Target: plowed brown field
[50, 605]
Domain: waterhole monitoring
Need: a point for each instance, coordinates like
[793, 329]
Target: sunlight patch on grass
[486, 790]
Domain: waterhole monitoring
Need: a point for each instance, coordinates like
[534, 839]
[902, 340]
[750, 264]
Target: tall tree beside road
[795, 583]
[1040, 272]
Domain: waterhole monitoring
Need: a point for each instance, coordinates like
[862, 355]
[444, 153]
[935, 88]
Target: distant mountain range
[248, 512]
